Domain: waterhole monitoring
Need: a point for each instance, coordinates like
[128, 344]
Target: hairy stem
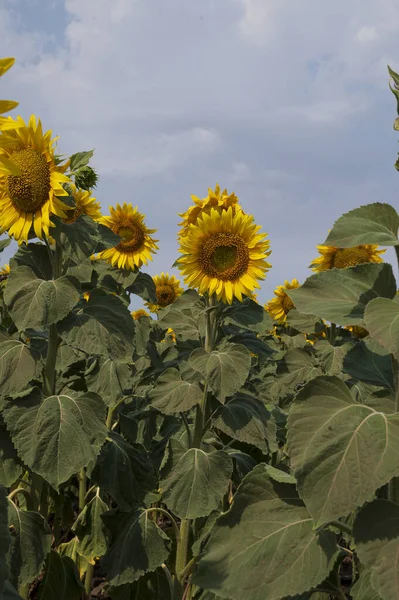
[24, 492]
[89, 578]
[182, 547]
[342, 526]
[82, 488]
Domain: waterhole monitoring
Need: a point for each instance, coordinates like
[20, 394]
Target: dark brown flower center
[225, 256]
[349, 257]
[165, 295]
[132, 237]
[30, 190]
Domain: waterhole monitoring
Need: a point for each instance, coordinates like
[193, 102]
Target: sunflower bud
[86, 178]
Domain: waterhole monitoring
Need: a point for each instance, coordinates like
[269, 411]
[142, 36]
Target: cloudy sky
[285, 103]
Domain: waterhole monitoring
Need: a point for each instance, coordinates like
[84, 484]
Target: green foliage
[61, 579]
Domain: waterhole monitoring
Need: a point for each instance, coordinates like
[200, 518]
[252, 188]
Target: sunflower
[136, 245]
[6, 105]
[341, 258]
[279, 307]
[167, 289]
[215, 199]
[29, 198]
[137, 314]
[85, 205]
[224, 254]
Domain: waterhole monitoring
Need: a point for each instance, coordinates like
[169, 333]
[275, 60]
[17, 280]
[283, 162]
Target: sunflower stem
[393, 486]
[53, 341]
[89, 579]
[82, 488]
[182, 547]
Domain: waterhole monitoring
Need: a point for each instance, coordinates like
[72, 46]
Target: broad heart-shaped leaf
[382, 321]
[35, 256]
[36, 303]
[301, 322]
[144, 287]
[338, 444]
[124, 471]
[186, 316]
[376, 532]
[247, 314]
[341, 295]
[152, 586]
[246, 419]
[297, 366]
[30, 544]
[225, 370]
[103, 326]
[362, 589]
[331, 357]
[78, 239]
[171, 394]
[10, 467]
[138, 546]
[61, 579]
[197, 483]
[369, 362]
[17, 366]
[90, 530]
[4, 536]
[370, 224]
[112, 379]
[270, 532]
[59, 435]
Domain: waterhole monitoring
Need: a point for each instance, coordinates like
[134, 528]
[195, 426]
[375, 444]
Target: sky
[285, 103]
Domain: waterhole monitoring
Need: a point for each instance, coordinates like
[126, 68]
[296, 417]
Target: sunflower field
[204, 447]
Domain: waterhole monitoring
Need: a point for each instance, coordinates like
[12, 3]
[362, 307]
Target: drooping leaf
[247, 314]
[252, 342]
[382, 321]
[336, 444]
[36, 257]
[341, 295]
[246, 419]
[78, 239]
[58, 435]
[102, 327]
[124, 471]
[90, 530]
[369, 362]
[61, 579]
[36, 303]
[331, 357]
[30, 544]
[268, 530]
[197, 483]
[10, 466]
[225, 370]
[4, 536]
[17, 366]
[138, 546]
[152, 586]
[69, 549]
[112, 379]
[185, 316]
[362, 589]
[144, 287]
[376, 223]
[297, 366]
[171, 394]
[376, 532]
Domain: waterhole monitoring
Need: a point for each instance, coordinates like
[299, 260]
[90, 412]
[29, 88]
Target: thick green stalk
[89, 579]
[50, 372]
[182, 547]
[82, 488]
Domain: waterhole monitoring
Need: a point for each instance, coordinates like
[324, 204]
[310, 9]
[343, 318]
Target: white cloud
[366, 34]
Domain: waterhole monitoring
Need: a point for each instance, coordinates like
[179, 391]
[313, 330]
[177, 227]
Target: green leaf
[301, 322]
[138, 546]
[376, 532]
[4, 244]
[144, 287]
[296, 367]
[90, 530]
[59, 435]
[268, 530]
[80, 159]
[36, 257]
[370, 224]
[17, 366]
[103, 326]
[4, 536]
[197, 483]
[171, 394]
[225, 370]
[70, 549]
[112, 379]
[124, 471]
[369, 362]
[246, 419]
[280, 476]
[30, 544]
[152, 586]
[78, 239]
[10, 467]
[382, 322]
[338, 444]
[10, 592]
[362, 589]
[341, 295]
[253, 343]
[185, 316]
[36, 303]
[330, 357]
[61, 579]
[106, 239]
[246, 314]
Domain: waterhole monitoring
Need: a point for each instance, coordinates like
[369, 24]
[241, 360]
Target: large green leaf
[78, 239]
[382, 321]
[35, 256]
[338, 444]
[331, 357]
[61, 579]
[4, 536]
[124, 471]
[297, 366]
[138, 546]
[369, 362]
[197, 483]
[171, 394]
[80, 159]
[246, 419]
[90, 530]
[341, 295]
[362, 589]
[17, 366]
[376, 533]
[152, 586]
[144, 287]
[247, 314]
[370, 224]
[103, 326]
[112, 379]
[185, 316]
[10, 467]
[30, 544]
[59, 435]
[301, 322]
[225, 370]
[269, 532]
[36, 303]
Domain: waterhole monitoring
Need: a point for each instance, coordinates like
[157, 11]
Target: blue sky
[286, 104]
